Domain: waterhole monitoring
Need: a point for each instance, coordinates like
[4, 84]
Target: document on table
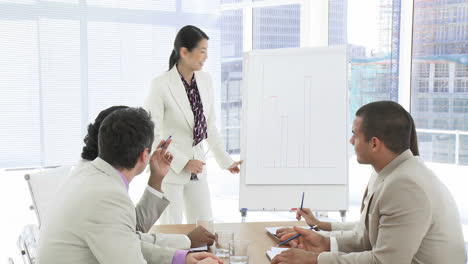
[274, 251]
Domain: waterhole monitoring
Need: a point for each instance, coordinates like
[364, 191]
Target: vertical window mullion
[41, 96]
[406, 40]
[84, 66]
[248, 28]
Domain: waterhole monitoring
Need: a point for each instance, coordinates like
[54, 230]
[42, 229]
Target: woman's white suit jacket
[172, 114]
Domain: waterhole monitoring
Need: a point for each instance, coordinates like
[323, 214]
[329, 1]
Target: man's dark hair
[90, 150]
[123, 136]
[389, 122]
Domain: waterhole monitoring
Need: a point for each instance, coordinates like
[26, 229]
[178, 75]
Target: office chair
[27, 244]
[42, 186]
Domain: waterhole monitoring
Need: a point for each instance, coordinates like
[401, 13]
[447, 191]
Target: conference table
[255, 232]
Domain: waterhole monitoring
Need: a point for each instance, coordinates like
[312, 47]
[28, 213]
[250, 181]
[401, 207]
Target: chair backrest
[42, 186]
[27, 244]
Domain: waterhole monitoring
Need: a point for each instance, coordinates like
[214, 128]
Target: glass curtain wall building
[373, 68]
[373, 74]
[439, 94]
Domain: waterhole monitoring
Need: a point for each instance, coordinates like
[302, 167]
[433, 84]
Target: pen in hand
[302, 202]
[162, 146]
[294, 237]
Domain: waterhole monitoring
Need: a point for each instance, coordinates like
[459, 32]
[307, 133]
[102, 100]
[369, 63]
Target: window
[276, 27]
[441, 70]
[62, 63]
[20, 119]
[463, 156]
[439, 58]
[460, 106]
[422, 70]
[159, 5]
[421, 123]
[422, 86]
[461, 85]
[460, 124]
[423, 104]
[337, 20]
[440, 105]
[441, 86]
[461, 70]
[373, 51]
[231, 77]
[440, 124]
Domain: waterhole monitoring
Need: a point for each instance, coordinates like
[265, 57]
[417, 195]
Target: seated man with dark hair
[152, 203]
[94, 220]
[410, 216]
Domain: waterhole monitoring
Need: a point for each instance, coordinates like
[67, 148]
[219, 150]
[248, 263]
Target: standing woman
[182, 106]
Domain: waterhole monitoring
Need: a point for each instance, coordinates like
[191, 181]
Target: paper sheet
[274, 251]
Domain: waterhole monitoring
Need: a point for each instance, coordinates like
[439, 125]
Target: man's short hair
[387, 121]
[123, 136]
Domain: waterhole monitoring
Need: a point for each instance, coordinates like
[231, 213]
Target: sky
[362, 23]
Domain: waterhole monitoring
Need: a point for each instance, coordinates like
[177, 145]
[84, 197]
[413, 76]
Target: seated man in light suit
[410, 217]
[337, 229]
[94, 220]
[152, 203]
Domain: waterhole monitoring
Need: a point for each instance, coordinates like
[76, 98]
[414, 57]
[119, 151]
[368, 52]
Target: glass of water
[238, 252]
[222, 242]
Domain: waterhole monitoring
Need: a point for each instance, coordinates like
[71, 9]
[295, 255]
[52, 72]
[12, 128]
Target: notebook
[274, 251]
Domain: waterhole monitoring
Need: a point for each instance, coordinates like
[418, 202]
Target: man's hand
[308, 216]
[309, 240]
[234, 168]
[295, 256]
[283, 231]
[200, 237]
[202, 258]
[160, 162]
[194, 166]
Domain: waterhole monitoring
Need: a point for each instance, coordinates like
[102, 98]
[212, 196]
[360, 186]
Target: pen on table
[162, 146]
[296, 236]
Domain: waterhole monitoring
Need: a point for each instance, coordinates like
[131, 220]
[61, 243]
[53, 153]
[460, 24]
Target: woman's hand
[194, 166]
[234, 168]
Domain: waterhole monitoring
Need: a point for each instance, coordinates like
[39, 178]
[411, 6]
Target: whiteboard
[294, 133]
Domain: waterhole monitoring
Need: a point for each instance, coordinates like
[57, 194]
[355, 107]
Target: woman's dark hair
[187, 37]
[90, 150]
[414, 137]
